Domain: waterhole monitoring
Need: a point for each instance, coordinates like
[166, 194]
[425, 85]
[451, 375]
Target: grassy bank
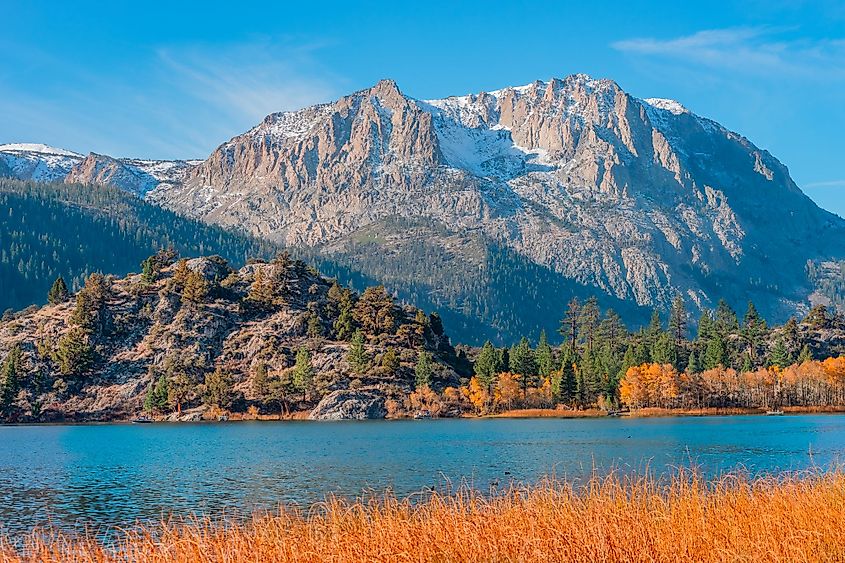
[686, 519]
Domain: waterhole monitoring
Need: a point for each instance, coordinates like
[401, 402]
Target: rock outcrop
[351, 404]
[222, 337]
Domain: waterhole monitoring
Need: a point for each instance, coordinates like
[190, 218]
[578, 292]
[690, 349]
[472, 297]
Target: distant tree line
[729, 361]
[49, 230]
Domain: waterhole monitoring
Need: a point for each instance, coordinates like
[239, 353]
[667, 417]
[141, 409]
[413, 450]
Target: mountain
[29, 161]
[53, 229]
[198, 334]
[549, 190]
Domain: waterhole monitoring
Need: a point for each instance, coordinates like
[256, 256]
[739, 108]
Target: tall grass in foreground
[797, 518]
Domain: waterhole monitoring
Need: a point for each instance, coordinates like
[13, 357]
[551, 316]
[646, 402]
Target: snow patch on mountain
[37, 161]
[666, 104]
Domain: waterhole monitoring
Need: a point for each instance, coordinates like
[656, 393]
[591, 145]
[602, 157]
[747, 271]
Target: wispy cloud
[247, 81]
[178, 101]
[759, 50]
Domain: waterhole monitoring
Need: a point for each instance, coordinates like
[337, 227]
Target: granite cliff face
[639, 199]
[636, 200]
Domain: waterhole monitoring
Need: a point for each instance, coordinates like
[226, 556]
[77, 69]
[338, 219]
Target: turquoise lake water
[99, 476]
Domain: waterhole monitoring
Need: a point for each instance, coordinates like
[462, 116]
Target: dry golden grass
[791, 519]
[550, 413]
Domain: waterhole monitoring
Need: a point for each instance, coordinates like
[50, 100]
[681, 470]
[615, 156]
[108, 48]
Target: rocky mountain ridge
[637, 200]
[31, 161]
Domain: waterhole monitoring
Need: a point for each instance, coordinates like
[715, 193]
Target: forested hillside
[828, 279]
[70, 230]
[484, 291]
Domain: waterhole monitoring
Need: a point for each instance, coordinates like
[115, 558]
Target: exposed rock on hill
[348, 404]
[196, 332]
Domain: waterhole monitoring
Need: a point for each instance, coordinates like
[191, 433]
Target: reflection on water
[95, 477]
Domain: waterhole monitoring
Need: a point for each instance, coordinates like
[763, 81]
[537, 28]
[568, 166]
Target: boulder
[350, 404]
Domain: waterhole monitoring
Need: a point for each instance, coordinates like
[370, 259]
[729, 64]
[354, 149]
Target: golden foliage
[424, 399]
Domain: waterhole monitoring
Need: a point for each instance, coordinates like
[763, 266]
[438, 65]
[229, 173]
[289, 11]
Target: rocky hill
[193, 335]
[571, 183]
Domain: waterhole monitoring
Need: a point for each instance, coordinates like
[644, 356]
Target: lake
[98, 476]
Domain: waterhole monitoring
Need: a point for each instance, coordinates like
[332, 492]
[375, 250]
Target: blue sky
[173, 80]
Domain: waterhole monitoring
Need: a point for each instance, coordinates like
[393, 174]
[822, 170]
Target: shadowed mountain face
[578, 183]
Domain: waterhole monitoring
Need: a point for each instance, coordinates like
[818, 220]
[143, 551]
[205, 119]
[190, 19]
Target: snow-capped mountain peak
[37, 148]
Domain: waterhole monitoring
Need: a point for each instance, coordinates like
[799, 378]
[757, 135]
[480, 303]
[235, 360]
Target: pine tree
[196, 289]
[818, 317]
[612, 330]
[390, 360]
[791, 335]
[303, 372]
[715, 353]
[780, 356]
[260, 382]
[344, 326]
[725, 322]
[629, 360]
[692, 364]
[806, 354]
[180, 388]
[486, 365]
[588, 322]
[588, 377]
[663, 350]
[374, 311]
[568, 380]
[705, 326]
[58, 292]
[314, 325]
[423, 372]
[678, 321]
[747, 365]
[570, 323]
[522, 362]
[753, 330]
[218, 389]
[357, 356]
[544, 356]
[10, 373]
[156, 399]
[73, 353]
[260, 293]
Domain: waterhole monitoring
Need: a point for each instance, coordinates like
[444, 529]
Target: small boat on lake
[422, 415]
[142, 420]
[775, 412]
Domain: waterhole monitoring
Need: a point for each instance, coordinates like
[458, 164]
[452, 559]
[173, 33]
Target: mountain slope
[585, 185]
[53, 229]
[641, 200]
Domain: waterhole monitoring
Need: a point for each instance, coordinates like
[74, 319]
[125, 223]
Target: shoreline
[525, 414]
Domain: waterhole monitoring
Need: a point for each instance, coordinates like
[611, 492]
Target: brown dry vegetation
[551, 413]
[611, 519]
